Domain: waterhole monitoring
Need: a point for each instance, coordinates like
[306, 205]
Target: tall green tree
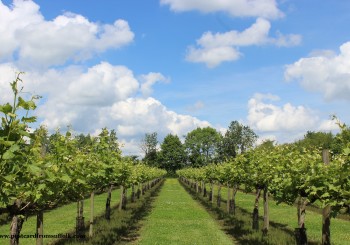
[149, 147]
[172, 155]
[238, 139]
[201, 146]
[313, 139]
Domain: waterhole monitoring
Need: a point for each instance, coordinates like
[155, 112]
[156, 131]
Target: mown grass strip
[61, 220]
[177, 219]
[123, 226]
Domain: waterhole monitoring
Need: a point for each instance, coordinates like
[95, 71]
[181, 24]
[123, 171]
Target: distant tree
[84, 140]
[149, 147]
[267, 144]
[132, 158]
[201, 146]
[172, 155]
[238, 139]
[320, 140]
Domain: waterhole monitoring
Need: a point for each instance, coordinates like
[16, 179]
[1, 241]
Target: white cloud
[7, 75]
[101, 96]
[325, 73]
[149, 80]
[213, 49]
[237, 8]
[140, 115]
[102, 85]
[212, 57]
[36, 41]
[268, 117]
[328, 125]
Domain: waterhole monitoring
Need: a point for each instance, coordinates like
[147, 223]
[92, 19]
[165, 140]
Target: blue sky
[281, 67]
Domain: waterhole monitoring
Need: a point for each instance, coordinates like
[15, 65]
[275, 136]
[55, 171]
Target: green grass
[178, 219]
[61, 220]
[284, 218]
[123, 226]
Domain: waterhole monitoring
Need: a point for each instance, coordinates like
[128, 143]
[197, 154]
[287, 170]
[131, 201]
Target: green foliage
[14, 149]
[201, 145]
[58, 168]
[319, 140]
[238, 139]
[172, 155]
[288, 171]
[149, 147]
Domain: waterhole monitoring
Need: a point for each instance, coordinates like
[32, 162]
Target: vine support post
[266, 211]
[121, 198]
[300, 232]
[79, 227]
[133, 195]
[40, 227]
[326, 212]
[108, 203]
[228, 199]
[92, 195]
[211, 194]
[255, 224]
[218, 200]
[15, 230]
[233, 199]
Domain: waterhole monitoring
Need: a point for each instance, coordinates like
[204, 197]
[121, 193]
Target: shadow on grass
[123, 226]
[239, 226]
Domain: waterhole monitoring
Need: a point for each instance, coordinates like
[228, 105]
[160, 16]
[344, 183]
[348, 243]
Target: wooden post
[266, 211]
[300, 232]
[40, 227]
[15, 230]
[133, 193]
[255, 224]
[79, 228]
[108, 203]
[121, 198]
[218, 200]
[326, 213]
[40, 214]
[125, 200]
[233, 199]
[211, 194]
[228, 199]
[92, 195]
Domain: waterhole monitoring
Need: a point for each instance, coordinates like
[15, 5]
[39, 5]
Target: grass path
[178, 219]
[60, 220]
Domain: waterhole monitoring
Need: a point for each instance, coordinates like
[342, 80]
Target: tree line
[201, 147]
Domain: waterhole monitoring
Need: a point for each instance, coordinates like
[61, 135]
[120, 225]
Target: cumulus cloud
[25, 33]
[213, 49]
[268, 117]
[7, 75]
[328, 125]
[132, 112]
[237, 8]
[103, 95]
[149, 80]
[324, 72]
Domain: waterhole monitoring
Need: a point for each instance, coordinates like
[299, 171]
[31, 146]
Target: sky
[281, 67]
